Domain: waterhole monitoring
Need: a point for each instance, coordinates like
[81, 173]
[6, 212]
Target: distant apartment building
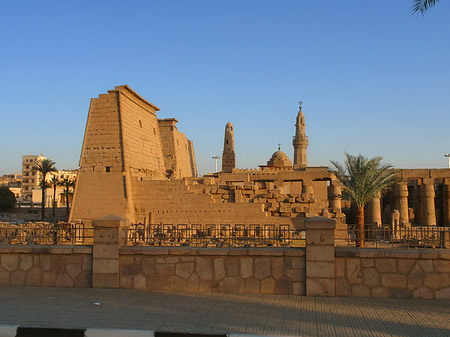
[30, 178]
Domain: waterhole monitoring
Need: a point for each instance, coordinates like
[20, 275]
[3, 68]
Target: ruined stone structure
[124, 142]
[422, 197]
[143, 169]
[228, 156]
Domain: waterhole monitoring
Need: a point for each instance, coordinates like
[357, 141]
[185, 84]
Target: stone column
[335, 196]
[320, 256]
[375, 210]
[429, 213]
[108, 238]
[446, 201]
[402, 195]
[418, 203]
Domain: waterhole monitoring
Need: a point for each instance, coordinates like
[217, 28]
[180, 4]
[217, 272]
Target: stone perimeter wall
[211, 270]
[51, 266]
[393, 273]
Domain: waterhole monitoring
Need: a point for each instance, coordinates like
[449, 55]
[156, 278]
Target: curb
[14, 331]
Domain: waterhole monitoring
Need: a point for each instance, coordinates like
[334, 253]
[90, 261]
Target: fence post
[320, 257]
[108, 238]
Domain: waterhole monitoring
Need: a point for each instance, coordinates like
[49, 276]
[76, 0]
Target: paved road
[222, 313]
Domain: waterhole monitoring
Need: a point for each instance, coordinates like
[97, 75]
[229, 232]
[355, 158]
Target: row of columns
[424, 207]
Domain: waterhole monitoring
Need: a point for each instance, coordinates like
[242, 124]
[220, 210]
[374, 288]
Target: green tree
[7, 199]
[421, 6]
[54, 182]
[67, 184]
[44, 167]
[362, 179]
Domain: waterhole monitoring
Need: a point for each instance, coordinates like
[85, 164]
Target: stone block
[33, 277]
[204, 268]
[126, 282]
[380, 292]
[405, 265]
[84, 279]
[157, 283]
[298, 288]
[73, 270]
[246, 266]
[105, 266]
[232, 285]
[58, 264]
[360, 290]
[105, 251]
[4, 277]
[232, 266]
[268, 286]
[64, 280]
[426, 265]
[340, 267]
[423, 293]
[396, 281]
[386, 265]
[283, 287]
[164, 269]
[371, 277]
[320, 287]
[193, 283]
[10, 262]
[320, 253]
[184, 269]
[87, 262]
[298, 263]
[367, 262]
[45, 262]
[278, 269]
[442, 266]
[436, 280]
[314, 269]
[252, 285]
[48, 279]
[148, 265]
[263, 267]
[400, 293]
[353, 271]
[343, 288]
[317, 237]
[26, 262]
[176, 284]
[443, 294]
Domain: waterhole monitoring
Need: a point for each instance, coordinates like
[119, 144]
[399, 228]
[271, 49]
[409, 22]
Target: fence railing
[45, 233]
[215, 235]
[402, 237]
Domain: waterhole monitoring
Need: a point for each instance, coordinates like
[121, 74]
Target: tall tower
[228, 156]
[300, 141]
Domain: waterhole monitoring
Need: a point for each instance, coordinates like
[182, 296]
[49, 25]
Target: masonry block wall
[393, 273]
[55, 266]
[210, 270]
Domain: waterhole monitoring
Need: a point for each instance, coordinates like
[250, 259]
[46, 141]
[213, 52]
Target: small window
[107, 168]
[154, 131]
[140, 124]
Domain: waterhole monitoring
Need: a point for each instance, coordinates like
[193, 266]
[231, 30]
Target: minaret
[300, 141]
[228, 156]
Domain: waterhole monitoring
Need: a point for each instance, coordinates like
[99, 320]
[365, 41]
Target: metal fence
[45, 233]
[215, 235]
[402, 237]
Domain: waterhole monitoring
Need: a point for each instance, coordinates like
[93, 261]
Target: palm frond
[421, 6]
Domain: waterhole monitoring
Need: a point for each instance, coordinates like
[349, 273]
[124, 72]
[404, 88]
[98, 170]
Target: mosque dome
[279, 159]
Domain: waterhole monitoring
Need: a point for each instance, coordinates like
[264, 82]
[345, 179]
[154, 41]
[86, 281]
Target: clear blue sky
[374, 79]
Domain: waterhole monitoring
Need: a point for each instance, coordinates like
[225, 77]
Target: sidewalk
[222, 313]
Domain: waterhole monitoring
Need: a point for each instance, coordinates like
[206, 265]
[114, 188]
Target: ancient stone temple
[141, 168]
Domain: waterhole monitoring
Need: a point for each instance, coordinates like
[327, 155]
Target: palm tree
[54, 182]
[362, 179]
[44, 167]
[422, 6]
[67, 184]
